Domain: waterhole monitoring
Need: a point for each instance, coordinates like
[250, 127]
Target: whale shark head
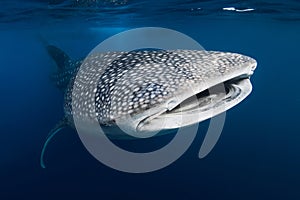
[146, 91]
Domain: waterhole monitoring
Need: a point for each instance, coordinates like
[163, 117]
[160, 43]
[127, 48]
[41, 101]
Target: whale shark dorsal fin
[60, 125]
[66, 67]
[61, 59]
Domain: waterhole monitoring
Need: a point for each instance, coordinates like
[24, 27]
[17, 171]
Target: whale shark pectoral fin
[60, 125]
[213, 134]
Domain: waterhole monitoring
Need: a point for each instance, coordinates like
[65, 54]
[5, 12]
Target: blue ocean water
[257, 156]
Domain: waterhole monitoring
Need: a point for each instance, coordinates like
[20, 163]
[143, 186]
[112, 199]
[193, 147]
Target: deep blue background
[257, 156]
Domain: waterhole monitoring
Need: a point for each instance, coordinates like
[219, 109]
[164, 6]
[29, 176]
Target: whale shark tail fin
[60, 125]
[66, 67]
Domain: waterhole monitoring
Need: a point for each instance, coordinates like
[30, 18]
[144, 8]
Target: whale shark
[151, 90]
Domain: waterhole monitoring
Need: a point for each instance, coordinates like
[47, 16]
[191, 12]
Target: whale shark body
[151, 90]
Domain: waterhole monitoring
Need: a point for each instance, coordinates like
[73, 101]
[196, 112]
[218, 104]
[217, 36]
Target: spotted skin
[144, 95]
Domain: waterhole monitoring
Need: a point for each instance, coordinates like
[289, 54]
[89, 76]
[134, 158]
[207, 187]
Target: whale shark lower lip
[204, 105]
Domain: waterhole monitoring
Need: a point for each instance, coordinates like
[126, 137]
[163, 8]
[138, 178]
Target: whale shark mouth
[210, 98]
[204, 105]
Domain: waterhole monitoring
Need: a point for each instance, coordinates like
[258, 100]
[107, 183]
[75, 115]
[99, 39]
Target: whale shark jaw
[195, 103]
[199, 107]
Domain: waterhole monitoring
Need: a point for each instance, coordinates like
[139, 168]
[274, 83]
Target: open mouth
[205, 104]
[211, 97]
